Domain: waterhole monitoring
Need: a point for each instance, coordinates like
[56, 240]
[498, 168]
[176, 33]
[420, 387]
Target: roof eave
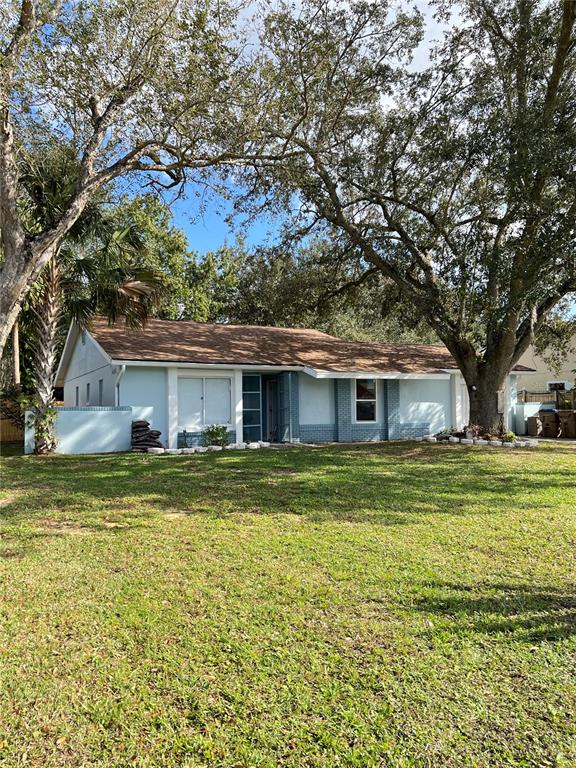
[313, 372]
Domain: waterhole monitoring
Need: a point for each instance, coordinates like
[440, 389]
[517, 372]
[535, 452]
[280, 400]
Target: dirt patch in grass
[63, 527]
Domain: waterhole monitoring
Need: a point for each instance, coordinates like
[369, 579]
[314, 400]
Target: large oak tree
[457, 180]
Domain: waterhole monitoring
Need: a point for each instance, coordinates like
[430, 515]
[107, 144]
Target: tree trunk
[47, 319]
[483, 394]
[20, 271]
[16, 355]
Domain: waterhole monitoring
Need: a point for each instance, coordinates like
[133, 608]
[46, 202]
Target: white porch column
[459, 401]
[238, 406]
[454, 401]
[509, 398]
[172, 407]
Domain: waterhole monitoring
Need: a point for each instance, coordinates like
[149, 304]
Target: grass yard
[393, 605]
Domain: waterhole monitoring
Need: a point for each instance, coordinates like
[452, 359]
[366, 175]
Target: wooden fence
[564, 400]
[9, 432]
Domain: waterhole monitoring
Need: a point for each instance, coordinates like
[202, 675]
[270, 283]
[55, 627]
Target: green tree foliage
[210, 285]
[310, 286]
[557, 338]
[165, 248]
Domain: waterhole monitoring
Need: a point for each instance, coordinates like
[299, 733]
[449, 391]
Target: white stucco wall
[428, 400]
[147, 386]
[316, 400]
[88, 365]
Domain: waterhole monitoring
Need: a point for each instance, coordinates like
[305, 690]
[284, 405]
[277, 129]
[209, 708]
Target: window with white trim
[204, 401]
[365, 406]
[556, 386]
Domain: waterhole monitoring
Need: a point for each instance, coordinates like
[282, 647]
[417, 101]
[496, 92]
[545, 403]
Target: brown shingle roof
[183, 341]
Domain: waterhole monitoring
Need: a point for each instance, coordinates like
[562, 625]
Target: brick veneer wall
[318, 433]
[347, 430]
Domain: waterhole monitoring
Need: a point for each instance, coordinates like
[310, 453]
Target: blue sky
[208, 229]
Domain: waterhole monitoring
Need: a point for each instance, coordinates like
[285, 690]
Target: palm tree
[99, 268]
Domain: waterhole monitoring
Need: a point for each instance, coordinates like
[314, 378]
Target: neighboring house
[277, 384]
[545, 379]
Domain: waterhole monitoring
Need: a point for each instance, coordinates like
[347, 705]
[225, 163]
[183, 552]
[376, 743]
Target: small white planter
[467, 441]
[202, 449]
[453, 439]
[508, 445]
[212, 448]
[480, 441]
[188, 451]
[496, 443]
[239, 446]
[430, 439]
[253, 446]
[156, 450]
[173, 451]
[263, 444]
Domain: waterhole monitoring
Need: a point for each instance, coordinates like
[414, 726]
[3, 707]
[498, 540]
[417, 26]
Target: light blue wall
[316, 398]
[425, 401]
[88, 430]
[88, 365]
[147, 386]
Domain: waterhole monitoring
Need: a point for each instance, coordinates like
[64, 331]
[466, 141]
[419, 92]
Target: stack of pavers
[143, 437]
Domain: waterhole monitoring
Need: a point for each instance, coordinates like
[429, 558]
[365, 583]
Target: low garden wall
[92, 429]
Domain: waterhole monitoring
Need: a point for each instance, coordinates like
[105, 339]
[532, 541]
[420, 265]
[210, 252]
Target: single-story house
[276, 384]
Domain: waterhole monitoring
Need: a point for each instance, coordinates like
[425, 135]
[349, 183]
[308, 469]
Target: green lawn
[396, 605]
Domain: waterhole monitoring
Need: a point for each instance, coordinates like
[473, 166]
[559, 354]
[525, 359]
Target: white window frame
[374, 400]
[204, 423]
